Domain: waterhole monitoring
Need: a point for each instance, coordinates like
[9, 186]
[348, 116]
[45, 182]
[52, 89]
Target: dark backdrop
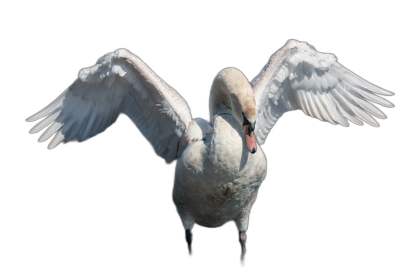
[329, 191]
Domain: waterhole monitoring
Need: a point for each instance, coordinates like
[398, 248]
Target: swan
[220, 165]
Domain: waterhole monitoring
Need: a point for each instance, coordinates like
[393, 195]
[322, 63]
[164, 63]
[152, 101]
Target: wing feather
[44, 123]
[50, 131]
[332, 107]
[49, 109]
[315, 101]
[57, 139]
[324, 106]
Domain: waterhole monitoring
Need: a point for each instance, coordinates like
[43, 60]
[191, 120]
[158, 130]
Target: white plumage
[299, 77]
[119, 83]
[217, 176]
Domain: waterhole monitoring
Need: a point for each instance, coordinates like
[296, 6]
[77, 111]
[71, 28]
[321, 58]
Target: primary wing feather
[119, 82]
[297, 76]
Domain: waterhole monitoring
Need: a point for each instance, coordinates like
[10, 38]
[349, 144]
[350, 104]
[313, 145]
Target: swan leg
[189, 238]
[242, 224]
[242, 240]
[188, 223]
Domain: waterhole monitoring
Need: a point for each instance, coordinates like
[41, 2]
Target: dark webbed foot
[242, 240]
[189, 238]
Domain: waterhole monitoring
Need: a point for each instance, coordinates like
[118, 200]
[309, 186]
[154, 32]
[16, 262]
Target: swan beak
[250, 139]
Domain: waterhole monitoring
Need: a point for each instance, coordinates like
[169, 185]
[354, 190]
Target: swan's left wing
[299, 77]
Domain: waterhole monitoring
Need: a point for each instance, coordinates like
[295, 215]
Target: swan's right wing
[297, 76]
[119, 82]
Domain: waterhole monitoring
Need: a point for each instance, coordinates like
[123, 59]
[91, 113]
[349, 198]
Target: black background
[330, 191]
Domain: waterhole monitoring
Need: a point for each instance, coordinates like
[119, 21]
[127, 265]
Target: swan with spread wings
[219, 164]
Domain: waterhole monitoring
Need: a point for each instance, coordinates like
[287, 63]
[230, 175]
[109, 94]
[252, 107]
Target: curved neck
[220, 100]
[232, 93]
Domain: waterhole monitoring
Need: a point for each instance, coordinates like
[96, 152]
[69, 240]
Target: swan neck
[232, 93]
[220, 100]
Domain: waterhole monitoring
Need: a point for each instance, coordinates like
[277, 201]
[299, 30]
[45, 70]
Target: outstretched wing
[299, 77]
[119, 82]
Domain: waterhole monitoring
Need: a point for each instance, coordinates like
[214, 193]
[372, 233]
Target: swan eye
[246, 122]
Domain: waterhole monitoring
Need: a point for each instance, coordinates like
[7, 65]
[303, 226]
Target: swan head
[248, 128]
[240, 98]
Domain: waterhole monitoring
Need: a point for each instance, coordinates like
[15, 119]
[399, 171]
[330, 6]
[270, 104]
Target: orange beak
[250, 139]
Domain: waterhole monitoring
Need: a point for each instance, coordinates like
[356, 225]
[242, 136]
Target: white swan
[219, 168]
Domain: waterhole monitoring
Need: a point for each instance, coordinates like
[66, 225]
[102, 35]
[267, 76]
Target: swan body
[217, 180]
[220, 165]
